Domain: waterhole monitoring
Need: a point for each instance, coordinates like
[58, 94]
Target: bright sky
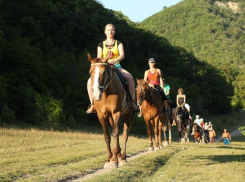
[138, 10]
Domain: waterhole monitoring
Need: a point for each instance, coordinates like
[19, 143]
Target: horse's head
[99, 72]
[142, 88]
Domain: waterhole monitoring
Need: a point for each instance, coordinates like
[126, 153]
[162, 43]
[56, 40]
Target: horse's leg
[183, 133]
[160, 127]
[155, 128]
[169, 131]
[107, 136]
[127, 125]
[115, 133]
[163, 121]
[187, 132]
[147, 121]
[179, 127]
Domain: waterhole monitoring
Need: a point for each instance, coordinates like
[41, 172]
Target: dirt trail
[100, 171]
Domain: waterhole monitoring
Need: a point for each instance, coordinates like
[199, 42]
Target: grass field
[185, 162]
[39, 155]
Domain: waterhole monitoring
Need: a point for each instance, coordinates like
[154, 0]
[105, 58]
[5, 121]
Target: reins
[107, 73]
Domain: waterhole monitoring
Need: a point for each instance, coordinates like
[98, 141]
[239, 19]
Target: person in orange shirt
[154, 76]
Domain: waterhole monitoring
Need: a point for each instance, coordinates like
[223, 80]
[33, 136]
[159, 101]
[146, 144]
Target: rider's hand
[111, 61]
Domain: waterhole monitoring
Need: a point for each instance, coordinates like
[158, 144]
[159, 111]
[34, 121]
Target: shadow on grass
[225, 158]
[231, 147]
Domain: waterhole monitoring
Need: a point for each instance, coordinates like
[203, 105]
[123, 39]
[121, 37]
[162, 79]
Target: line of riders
[206, 129]
[114, 50]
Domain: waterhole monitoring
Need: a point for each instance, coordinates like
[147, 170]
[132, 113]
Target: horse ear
[137, 81]
[148, 81]
[89, 57]
[105, 59]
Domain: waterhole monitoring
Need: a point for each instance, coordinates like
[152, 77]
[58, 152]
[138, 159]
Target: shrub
[49, 110]
[7, 115]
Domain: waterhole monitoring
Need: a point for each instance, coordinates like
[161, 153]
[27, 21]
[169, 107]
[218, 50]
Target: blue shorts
[117, 65]
[226, 141]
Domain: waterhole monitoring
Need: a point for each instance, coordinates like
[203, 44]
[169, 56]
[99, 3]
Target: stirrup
[91, 109]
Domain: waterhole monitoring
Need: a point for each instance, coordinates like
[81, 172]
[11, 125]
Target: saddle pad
[121, 82]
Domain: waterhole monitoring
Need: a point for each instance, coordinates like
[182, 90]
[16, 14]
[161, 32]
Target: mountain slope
[213, 30]
[44, 68]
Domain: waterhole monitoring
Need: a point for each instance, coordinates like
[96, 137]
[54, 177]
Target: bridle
[141, 93]
[108, 74]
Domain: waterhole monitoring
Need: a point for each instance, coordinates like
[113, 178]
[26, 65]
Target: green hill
[44, 67]
[214, 31]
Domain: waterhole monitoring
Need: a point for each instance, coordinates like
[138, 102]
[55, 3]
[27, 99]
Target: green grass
[185, 162]
[36, 155]
[45, 155]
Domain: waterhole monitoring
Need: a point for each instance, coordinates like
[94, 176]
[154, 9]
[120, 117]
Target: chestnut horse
[110, 102]
[197, 134]
[152, 111]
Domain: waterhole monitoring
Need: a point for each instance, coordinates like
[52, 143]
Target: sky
[138, 10]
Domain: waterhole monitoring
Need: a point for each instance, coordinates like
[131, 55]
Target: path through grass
[185, 162]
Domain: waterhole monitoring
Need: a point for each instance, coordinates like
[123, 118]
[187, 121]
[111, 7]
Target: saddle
[158, 91]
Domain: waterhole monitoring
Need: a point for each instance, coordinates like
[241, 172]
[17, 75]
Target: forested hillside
[213, 30]
[44, 68]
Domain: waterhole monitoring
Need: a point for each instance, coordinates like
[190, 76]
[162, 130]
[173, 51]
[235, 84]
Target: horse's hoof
[107, 165]
[150, 149]
[119, 159]
[165, 143]
[122, 163]
[113, 165]
[156, 148]
[160, 147]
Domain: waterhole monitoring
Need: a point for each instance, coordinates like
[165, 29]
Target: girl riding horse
[154, 76]
[114, 49]
[180, 100]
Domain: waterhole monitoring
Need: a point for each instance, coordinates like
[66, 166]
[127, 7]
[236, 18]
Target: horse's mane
[96, 60]
[142, 81]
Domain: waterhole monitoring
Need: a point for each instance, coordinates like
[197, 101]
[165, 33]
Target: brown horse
[197, 134]
[152, 111]
[110, 102]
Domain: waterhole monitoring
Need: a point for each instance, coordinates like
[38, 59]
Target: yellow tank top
[113, 49]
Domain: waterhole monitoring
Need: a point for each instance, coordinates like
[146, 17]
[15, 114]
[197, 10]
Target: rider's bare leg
[192, 131]
[131, 85]
[90, 94]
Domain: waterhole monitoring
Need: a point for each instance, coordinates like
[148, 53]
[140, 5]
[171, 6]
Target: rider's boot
[165, 103]
[91, 109]
[134, 106]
